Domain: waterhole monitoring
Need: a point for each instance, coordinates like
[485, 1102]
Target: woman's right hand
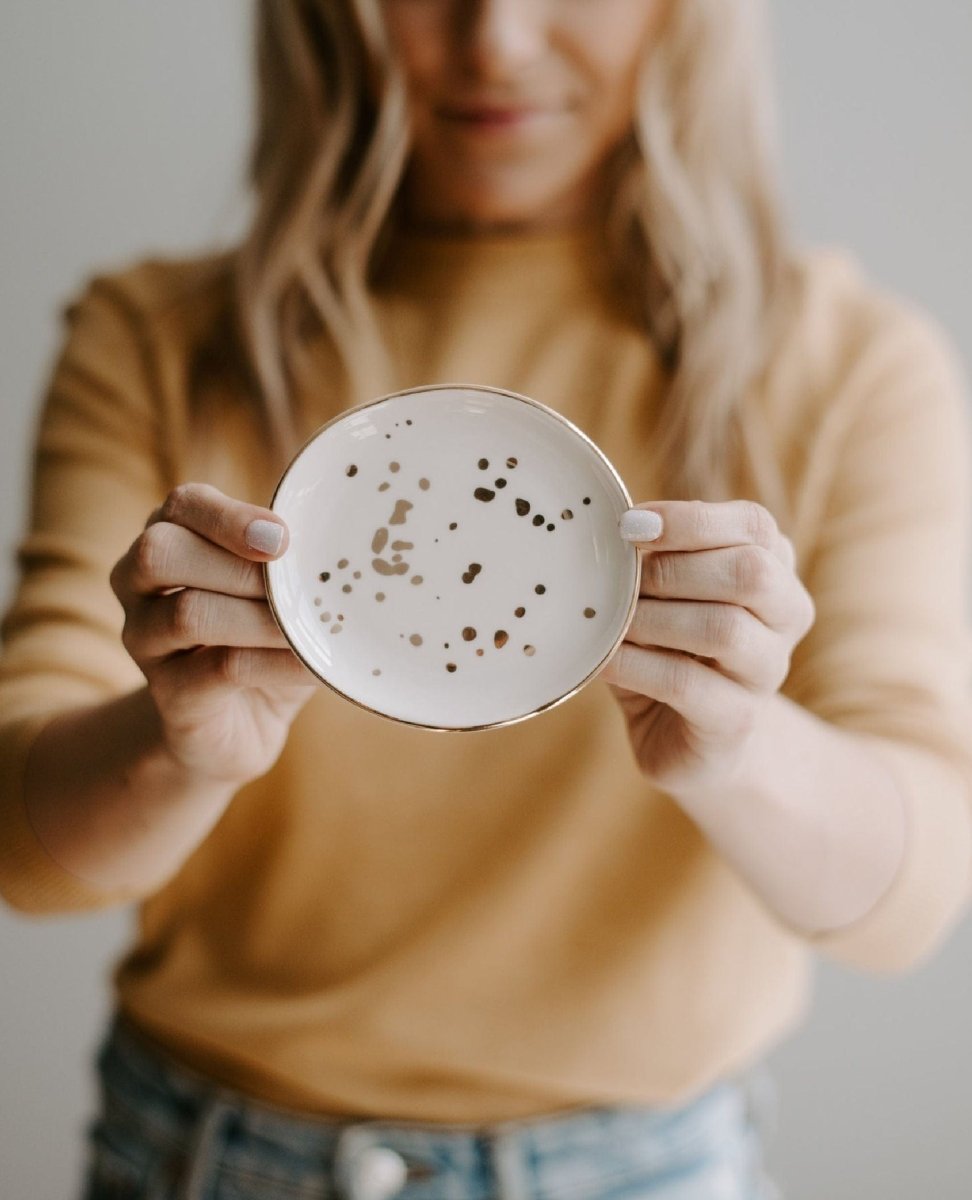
[197, 622]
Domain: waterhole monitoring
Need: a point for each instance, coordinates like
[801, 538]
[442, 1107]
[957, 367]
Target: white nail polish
[265, 536]
[640, 525]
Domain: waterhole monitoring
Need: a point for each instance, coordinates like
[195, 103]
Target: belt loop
[507, 1160]
[199, 1164]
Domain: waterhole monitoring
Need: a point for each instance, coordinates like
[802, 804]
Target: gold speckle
[394, 467]
[396, 558]
[500, 638]
[566, 515]
[357, 574]
[424, 485]
[416, 639]
[401, 512]
[403, 545]
[379, 596]
[336, 628]
[520, 612]
[317, 602]
[376, 671]
[480, 653]
[590, 612]
[417, 579]
[379, 540]
[342, 564]
[383, 487]
[385, 568]
[469, 634]
[346, 588]
[529, 651]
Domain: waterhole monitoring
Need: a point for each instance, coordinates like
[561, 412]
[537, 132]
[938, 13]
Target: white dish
[454, 560]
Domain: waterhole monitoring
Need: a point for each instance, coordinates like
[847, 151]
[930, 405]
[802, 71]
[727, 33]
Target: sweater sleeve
[97, 475]
[890, 653]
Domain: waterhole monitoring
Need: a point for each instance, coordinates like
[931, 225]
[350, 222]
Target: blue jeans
[165, 1133]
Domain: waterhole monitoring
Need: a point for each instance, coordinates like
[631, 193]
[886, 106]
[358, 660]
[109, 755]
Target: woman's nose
[502, 37]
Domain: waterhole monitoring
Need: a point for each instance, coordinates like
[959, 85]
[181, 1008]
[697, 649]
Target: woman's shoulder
[839, 319]
[158, 297]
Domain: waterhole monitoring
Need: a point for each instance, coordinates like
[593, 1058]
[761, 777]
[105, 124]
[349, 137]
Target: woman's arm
[121, 793]
[821, 821]
[143, 680]
[807, 814]
[830, 763]
[856, 840]
[813, 818]
[109, 803]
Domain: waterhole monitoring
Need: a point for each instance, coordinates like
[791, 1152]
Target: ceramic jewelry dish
[454, 559]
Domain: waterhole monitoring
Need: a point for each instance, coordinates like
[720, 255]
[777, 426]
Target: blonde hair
[692, 219]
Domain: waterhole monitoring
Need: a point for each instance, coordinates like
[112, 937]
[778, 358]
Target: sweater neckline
[518, 267]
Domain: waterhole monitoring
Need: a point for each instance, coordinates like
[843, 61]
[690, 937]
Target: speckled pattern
[458, 549]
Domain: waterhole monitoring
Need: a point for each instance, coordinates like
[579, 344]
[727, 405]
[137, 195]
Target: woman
[546, 959]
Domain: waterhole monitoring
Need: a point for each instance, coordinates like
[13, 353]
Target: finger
[742, 647]
[745, 575]
[165, 625]
[244, 529]
[212, 671]
[706, 525]
[166, 556]
[707, 700]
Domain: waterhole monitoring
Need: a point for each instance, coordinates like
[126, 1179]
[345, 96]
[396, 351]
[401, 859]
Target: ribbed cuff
[30, 879]
[932, 885]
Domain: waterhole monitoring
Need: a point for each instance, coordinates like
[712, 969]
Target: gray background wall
[122, 129]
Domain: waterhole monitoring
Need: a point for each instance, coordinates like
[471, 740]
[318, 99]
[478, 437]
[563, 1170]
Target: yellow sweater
[490, 925]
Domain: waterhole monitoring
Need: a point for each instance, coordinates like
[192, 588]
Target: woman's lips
[486, 118]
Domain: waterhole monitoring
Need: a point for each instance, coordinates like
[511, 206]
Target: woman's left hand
[719, 613]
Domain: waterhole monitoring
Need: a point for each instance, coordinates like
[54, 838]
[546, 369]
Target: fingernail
[640, 525]
[265, 536]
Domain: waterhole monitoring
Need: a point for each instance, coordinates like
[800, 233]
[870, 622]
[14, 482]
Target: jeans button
[376, 1173]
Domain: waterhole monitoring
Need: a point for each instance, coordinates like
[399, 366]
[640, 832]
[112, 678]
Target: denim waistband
[202, 1129]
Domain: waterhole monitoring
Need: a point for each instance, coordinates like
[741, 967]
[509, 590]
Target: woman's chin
[498, 215]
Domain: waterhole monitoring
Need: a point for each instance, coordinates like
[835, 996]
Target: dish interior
[454, 557]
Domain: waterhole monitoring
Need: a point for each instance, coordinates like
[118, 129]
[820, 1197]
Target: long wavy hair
[692, 220]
